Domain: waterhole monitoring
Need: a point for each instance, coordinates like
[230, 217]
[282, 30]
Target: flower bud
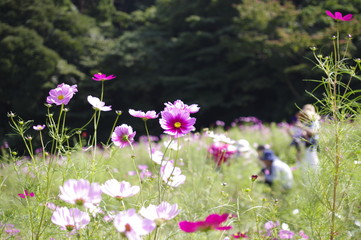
[254, 177]
[313, 48]
[333, 37]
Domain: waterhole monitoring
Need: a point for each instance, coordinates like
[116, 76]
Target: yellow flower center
[61, 97]
[177, 124]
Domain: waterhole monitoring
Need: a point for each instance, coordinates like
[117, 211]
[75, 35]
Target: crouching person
[275, 171]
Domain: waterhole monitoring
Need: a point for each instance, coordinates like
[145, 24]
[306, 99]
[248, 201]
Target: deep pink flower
[144, 115]
[240, 235]
[178, 104]
[338, 16]
[123, 136]
[102, 77]
[177, 122]
[70, 219]
[221, 152]
[285, 234]
[26, 194]
[61, 94]
[81, 192]
[213, 221]
[39, 127]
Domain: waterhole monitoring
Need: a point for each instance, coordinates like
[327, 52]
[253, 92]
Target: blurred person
[275, 171]
[296, 133]
[310, 125]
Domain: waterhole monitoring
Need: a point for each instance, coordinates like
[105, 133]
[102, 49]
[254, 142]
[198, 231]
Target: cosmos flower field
[187, 183]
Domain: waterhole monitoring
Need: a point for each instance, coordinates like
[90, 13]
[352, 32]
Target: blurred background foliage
[233, 58]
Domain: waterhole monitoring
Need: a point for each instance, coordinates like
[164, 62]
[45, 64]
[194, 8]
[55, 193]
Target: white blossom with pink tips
[119, 190]
[70, 219]
[162, 212]
[172, 175]
[81, 192]
[132, 225]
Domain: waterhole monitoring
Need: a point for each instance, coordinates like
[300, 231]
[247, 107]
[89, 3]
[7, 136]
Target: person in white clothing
[275, 171]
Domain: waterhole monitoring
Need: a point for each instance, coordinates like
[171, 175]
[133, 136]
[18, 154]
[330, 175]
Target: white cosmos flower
[97, 104]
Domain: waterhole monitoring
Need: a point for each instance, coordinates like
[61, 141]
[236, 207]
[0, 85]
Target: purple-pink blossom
[70, 219]
[132, 225]
[123, 136]
[102, 77]
[303, 235]
[213, 221]
[176, 122]
[81, 192]
[119, 190]
[61, 94]
[338, 16]
[26, 194]
[143, 115]
[39, 127]
[285, 234]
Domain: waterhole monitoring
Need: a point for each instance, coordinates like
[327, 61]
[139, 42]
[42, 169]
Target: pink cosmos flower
[178, 104]
[119, 190]
[285, 234]
[39, 127]
[172, 175]
[81, 192]
[132, 225]
[143, 115]
[61, 94]
[270, 224]
[160, 213]
[102, 77]
[240, 235]
[70, 219]
[221, 152]
[338, 16]
[303, 235]
[97, 104]
[123, 135]
[213, 221]
[177, 123]
[26, 194]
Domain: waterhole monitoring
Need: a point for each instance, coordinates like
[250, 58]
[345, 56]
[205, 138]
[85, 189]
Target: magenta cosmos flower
[123, 135]
[97, 104]
[102, 77]
[162, 212]
[143, 115]
[61, 94]
[70, 219]
[176, 122]
[119, 190]
[26, 194]
[81, 192]
[213, 221]
[338, 16]
[132, 225]
[178, 104]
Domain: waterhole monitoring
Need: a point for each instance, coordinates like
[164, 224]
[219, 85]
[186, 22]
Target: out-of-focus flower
[254, 177]
[177, 123]
[338, 16]
[81, 192]
[9, 229]
[97, 104]
[132, 225]
[220, 123]
[102, 77]
[240, 235]
[213, 221]
[174, 145]
[303, 235]
[285, 234]
[39, 127]
[160, 213]
[270, 224]
[123, 136]
[119, 190]
[26, 194]
[70, 219]
[172, 175]
[143, 115]
[221, 152]
[178, 104]
[61, 94]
